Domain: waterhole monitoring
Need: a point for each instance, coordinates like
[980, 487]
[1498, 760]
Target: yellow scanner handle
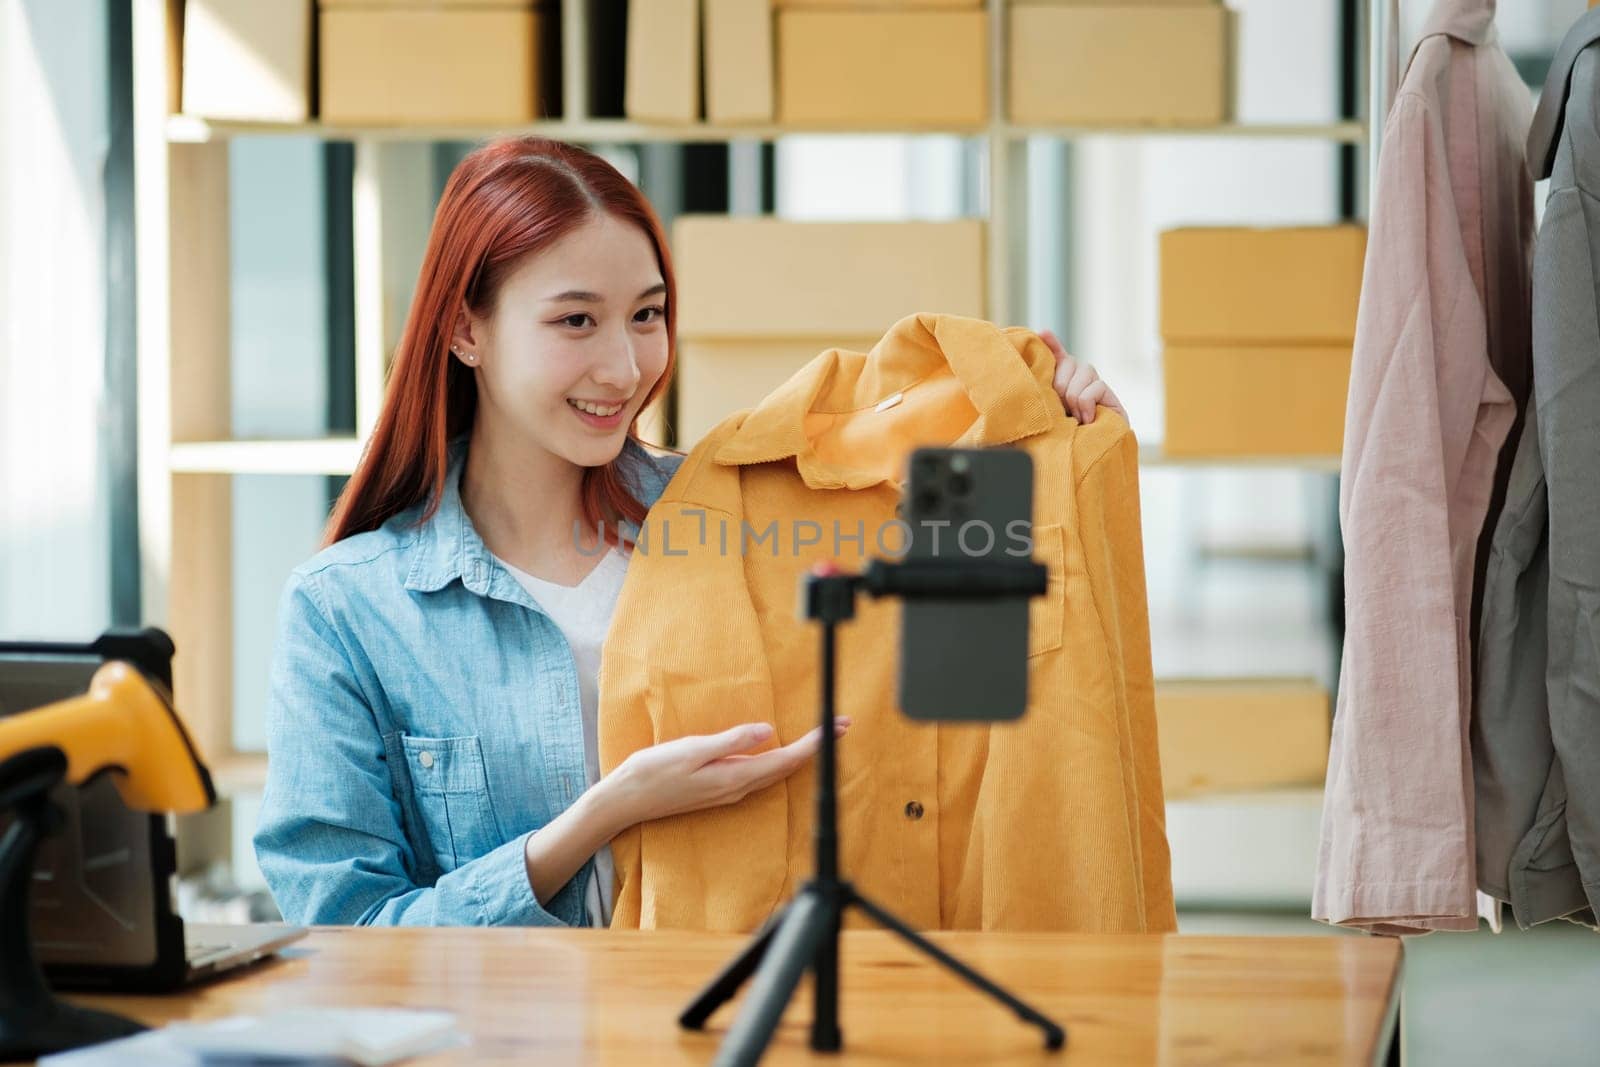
[123, 724]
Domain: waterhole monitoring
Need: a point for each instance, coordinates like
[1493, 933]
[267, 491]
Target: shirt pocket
[1047, 614]
[451, 790]
[686, 877]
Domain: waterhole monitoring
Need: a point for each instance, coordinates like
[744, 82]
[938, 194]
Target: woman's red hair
[506, 201]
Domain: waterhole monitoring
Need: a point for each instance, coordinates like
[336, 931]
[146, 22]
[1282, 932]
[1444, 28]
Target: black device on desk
[103, 913]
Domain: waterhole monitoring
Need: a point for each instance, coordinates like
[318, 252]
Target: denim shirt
[423, 720]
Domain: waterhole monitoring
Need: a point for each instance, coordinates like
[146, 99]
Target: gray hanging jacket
[1536, 725]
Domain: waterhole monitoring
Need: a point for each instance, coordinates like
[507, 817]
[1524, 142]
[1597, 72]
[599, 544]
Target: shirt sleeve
[331, 840]
[1113, 546]
[1396, 846]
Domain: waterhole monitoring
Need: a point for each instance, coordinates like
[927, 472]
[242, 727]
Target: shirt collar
[1006, 374]
[449, 547]
[1551, 117]
[1469, 21]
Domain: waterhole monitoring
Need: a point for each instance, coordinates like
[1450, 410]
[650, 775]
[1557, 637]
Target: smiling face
[574, 344]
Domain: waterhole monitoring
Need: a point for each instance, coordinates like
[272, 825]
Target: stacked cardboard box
[399, 62]
[663, 64]
[1120, 62]
[809, 63]
[1258, 326]
[247, 61]
[739, 61]
[436, 61]
[679, 49]
[1238, 736]
[914, 63]
[759, 298]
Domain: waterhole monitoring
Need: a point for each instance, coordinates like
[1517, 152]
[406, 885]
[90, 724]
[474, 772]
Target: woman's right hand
[704, 771]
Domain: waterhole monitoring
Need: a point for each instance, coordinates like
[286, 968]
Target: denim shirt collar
[448, 546]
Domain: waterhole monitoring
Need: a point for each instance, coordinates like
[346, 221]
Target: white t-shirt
[583, 612]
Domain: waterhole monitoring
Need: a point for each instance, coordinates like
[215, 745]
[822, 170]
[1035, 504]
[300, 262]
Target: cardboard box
[414, 64]
[875, 5]
[663, 77]
[1233, 736]
[1120, 65]
[1222, 285]
[1256, 400]
[743, 278]
[901, 69]
[739, 61]
[717, 378]
[247, 61]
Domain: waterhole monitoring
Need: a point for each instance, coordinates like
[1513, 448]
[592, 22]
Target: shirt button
[913, 810]
[426, 759]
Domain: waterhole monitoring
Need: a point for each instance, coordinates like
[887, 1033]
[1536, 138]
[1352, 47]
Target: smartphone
[966, 660]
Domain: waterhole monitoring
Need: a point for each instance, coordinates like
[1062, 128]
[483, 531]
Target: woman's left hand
[1079, 385]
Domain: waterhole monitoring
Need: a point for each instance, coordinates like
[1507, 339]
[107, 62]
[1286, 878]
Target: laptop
[102, 901]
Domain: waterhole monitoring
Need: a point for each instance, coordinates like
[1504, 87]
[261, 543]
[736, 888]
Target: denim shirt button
[426, 759]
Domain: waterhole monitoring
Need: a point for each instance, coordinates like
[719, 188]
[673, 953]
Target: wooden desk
[584, 996]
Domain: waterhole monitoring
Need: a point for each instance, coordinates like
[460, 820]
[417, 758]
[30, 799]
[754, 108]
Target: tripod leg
[825, 1033]
[725, 985]
[1054, 1035]
[793, 948]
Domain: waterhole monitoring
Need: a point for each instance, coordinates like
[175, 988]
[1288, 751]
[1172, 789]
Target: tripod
[804, 934]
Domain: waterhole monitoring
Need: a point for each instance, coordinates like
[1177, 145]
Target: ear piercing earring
[470, 357]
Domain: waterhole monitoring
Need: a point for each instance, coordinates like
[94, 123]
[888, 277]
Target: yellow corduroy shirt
[1051, 822]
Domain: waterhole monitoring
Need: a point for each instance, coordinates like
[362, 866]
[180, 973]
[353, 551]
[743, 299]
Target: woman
[431, 722]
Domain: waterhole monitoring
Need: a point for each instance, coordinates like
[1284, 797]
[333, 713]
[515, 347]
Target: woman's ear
[464, 339]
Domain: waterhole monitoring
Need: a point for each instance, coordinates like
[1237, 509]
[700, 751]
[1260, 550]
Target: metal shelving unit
[187, 454]
[187, 129]
[1154, 456]
[329, 456]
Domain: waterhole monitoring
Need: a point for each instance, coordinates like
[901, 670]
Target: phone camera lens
[959, 485]
[928, 501]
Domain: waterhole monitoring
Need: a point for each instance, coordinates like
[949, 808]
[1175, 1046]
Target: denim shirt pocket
[450, 789]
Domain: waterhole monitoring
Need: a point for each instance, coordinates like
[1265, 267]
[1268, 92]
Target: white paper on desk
[149, 1049]
[371, 1037]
